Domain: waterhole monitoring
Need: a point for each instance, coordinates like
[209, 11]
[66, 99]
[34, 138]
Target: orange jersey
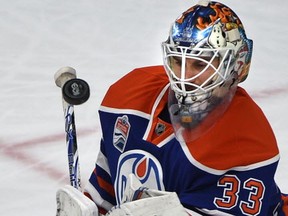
[242, 129]
[230, 169]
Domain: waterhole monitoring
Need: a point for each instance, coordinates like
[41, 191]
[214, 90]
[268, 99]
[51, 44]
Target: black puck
[76, 91]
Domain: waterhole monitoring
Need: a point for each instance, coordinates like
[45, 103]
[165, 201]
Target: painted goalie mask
[206, 55]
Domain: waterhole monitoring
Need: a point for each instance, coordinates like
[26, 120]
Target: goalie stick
[74, 92]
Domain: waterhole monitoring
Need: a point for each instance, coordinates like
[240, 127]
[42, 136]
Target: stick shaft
[61, 77]
[71, 144]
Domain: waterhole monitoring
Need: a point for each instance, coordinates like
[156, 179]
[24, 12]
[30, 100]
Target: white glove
[141, 201]
[72, 202]
[166, 205]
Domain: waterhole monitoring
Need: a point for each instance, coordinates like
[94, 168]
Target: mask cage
[184, 85]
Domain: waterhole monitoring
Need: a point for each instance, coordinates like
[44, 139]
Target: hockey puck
[76, 91]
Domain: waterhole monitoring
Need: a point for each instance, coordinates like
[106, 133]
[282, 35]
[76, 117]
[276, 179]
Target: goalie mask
[206, 55]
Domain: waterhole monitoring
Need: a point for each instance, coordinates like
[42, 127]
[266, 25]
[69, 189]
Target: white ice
[103, 40]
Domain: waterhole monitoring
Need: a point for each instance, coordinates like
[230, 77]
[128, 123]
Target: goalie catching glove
[141, 201]
[137, 201]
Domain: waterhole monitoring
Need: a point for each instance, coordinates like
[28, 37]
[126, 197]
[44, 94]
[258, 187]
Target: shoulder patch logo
[121, 132]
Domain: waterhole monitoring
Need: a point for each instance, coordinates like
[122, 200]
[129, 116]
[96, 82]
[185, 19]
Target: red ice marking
[15, 152]
[50, 138]
[35, 164]
[269, 92]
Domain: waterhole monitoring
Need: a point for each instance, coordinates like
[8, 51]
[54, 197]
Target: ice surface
[102, 40]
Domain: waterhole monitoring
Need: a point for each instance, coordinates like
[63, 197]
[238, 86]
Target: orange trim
[106, 186]
[152, 136]
[88, 195]
[285, 205]
[102, 211]
[241, 137]
[156, 139]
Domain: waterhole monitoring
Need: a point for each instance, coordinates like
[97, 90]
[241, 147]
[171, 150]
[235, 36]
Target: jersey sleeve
[123, 95]
[99, 187]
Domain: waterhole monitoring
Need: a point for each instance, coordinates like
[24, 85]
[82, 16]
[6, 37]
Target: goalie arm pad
[72, 202]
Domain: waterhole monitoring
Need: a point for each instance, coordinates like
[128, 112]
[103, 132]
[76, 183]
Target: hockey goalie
[193, 139]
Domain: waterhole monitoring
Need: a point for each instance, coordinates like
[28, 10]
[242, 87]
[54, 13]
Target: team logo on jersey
[143, 165]
[121, 132]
